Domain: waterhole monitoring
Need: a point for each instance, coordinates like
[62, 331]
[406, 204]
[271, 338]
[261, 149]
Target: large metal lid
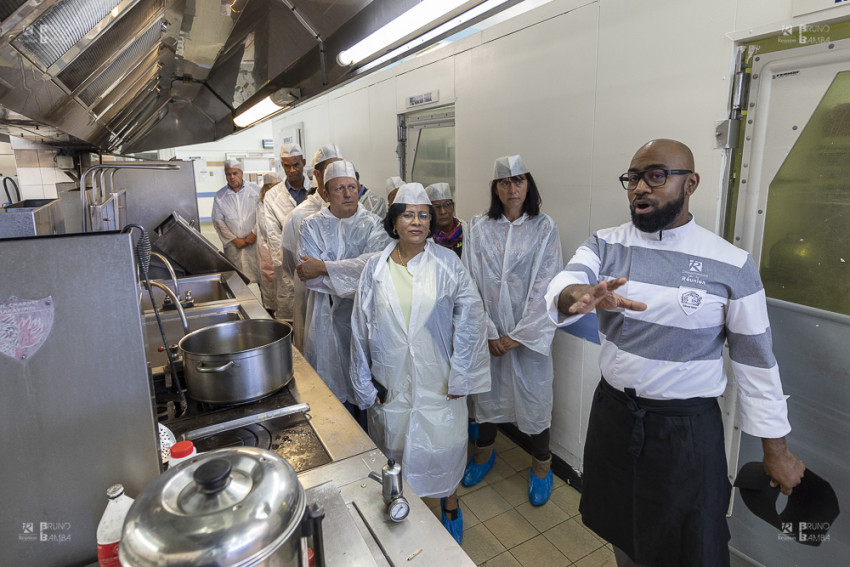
[225, 507]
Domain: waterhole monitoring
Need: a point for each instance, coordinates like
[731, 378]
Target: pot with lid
[242, 506]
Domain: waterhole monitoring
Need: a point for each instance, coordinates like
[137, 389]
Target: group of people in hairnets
[415, 319]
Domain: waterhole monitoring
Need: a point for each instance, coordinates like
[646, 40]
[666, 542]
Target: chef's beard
[660, 218]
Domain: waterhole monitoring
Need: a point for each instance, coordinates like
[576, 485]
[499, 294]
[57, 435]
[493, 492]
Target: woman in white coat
[512, 252]
[417, 330]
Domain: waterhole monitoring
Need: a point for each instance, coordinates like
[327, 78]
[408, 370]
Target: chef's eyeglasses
[448, 205]
[409, 216]
[655, 177]
[506, 183]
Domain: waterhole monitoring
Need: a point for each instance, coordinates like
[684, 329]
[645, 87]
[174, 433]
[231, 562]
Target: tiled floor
[502, 529]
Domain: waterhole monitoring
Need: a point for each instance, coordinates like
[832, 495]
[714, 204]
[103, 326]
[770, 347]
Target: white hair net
[271, 178]
[412, 194]
[233, 164]
[340, 169]
[326, 152]
[291, 150]
[438, 192]
[394, 183]
[509, 166]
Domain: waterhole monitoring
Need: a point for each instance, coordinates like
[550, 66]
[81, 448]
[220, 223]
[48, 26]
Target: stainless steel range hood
[125, 76]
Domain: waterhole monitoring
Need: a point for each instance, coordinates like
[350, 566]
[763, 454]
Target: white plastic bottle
[181, 451]
[109, 528]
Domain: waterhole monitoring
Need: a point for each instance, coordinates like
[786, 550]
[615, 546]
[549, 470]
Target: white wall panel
[663, 73]
[351, 127]
[383, 160]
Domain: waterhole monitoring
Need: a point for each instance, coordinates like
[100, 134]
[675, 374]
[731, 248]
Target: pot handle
[204, 369]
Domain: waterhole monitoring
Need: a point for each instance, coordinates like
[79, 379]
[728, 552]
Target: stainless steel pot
[240, 506]
[238, 361]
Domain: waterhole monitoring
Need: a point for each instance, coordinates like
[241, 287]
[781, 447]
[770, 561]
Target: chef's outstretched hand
[580, 299]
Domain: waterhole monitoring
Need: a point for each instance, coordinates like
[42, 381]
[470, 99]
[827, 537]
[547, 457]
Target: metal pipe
[176, 301]
[102, 186]
[171, 166]
[170, 271]
[243, 421]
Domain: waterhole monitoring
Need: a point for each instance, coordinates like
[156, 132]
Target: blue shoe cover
[539, 489]
[475, 473]
[473, 432]
[455, 527]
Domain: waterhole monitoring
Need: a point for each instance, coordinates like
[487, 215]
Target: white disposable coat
[374, 203]
[344, 245]
[234, 215]
[291, 238]
[264, 260]
[278, 204]
[443, 351]
[512, 263]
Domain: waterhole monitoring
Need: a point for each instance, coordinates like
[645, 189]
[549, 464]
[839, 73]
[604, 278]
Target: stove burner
[291, 436]
[255, 435]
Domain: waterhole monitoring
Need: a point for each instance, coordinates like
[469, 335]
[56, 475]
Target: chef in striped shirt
[668, 294]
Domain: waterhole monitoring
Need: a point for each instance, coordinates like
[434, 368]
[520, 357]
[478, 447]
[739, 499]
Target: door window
[806, 247]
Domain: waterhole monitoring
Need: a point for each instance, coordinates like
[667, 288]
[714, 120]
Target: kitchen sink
[210, 288]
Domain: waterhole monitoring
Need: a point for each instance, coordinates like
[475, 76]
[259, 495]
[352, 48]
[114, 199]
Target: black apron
[655, 478]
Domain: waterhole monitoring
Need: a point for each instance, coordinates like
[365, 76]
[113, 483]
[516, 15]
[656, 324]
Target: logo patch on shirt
[694, 266]
[690, 299]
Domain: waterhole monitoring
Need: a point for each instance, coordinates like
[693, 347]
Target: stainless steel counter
[420, 539]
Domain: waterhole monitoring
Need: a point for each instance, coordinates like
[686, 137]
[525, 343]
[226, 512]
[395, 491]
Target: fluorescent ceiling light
[262, 109]
[439, 30]
[414, 19]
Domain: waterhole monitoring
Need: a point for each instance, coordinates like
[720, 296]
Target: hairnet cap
[412, 194]
[439, 191]
[291, 150]
[394, 183]
[509, 166]
[233, 164]
[340, 169]
[271, 178]
[326, 152]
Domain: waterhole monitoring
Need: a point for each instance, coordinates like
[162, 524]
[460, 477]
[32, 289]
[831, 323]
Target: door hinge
[726, 134]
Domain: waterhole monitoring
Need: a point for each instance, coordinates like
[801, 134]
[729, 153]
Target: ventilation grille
[125, 63]
[49, 37]
[108, 44]
[144, 77]
[8, 7]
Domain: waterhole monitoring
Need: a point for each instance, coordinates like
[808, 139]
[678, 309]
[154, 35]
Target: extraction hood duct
[126, 76]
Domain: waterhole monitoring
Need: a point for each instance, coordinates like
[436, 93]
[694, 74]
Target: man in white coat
[314, 202]
[234, 216]
[371, 201]
[278, 203]
[335, 245]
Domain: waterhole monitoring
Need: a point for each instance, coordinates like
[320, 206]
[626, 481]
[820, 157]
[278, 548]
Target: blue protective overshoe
[539, 489]
[472, 430]
[475, 473]
[455, 527]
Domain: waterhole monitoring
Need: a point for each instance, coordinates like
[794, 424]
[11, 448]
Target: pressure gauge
[398, 509]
